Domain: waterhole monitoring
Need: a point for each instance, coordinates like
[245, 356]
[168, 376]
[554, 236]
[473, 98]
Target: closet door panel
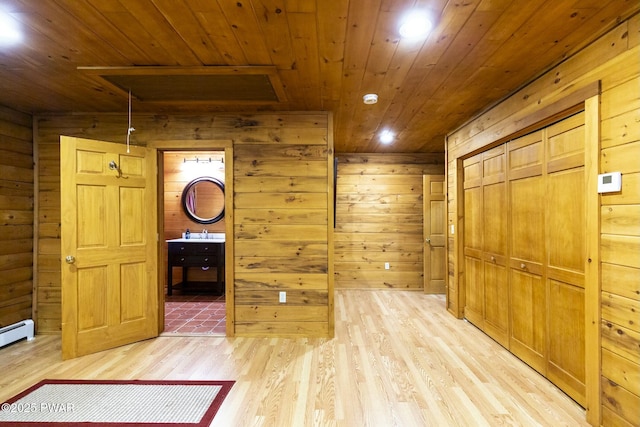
[566, 366]
[528, 306]
[473, 235]
[473, 224]
[527, 290]
[566, 252]
[526, 156]
[474, 307]
[565, 144]
[527, 220]
[496, 287]
[496, 307]
[495, 219]
[566, 220]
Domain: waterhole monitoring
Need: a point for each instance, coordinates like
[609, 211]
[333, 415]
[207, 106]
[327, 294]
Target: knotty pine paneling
[281, 194]
[283, 198]
[379, 219]
[614, 62]
[16, 216]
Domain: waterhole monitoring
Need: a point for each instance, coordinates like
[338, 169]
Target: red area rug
[111, 402]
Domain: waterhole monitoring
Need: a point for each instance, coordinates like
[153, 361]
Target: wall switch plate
[283, 296]
[609, 182]
[386, 266]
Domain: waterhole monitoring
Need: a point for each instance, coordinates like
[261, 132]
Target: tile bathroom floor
[194, 315]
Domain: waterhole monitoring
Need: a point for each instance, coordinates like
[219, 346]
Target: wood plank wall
[614, 61]
[282, 189]
[379, 219]
[283, 197]
[16, 216]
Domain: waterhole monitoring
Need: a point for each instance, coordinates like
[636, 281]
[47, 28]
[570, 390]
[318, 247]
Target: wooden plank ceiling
[325, 54]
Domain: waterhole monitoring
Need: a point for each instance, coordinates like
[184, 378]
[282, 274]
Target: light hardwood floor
[398, 359]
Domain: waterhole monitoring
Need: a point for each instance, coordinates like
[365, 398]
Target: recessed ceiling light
[415, 24]
[9, 31]
[386, 136]
[370, 98]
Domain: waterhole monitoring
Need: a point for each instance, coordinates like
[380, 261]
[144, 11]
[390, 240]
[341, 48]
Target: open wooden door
[109, 245]
[435, 233]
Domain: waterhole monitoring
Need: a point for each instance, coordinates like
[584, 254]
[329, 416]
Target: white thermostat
[609, 182]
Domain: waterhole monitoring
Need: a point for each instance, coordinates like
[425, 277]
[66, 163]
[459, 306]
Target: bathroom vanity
[203, 203]
[204, 253]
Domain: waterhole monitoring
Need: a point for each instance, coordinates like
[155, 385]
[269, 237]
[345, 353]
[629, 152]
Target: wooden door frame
[200, 145]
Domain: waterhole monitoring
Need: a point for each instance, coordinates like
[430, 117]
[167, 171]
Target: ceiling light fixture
[386, 136]
[415, 24]
[370, 98]
[9, 31]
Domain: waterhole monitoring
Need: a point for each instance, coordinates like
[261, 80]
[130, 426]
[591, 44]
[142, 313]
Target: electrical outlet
[283, 296]
[386, 266]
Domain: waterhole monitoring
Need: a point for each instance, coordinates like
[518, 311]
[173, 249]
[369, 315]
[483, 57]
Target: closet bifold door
[524, 249]
[494, 248]
[485, 244]
[473, 241]
[565, 241]
[527, 293]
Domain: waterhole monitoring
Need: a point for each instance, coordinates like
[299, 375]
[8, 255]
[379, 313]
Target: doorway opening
[194, 239]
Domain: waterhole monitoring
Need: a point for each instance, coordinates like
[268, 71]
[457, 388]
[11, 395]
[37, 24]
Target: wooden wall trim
[592, 263]
[36, 226]
[159, 247]
[458, 262]
[229, 250]
[331, 214]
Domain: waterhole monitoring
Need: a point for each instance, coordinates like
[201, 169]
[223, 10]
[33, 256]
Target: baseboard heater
[15, 332]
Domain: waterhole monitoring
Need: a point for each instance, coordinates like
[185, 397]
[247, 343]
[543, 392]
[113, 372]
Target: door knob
[70, 259]
[429, 240]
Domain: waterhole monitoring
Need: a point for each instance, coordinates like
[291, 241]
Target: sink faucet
[204, 233]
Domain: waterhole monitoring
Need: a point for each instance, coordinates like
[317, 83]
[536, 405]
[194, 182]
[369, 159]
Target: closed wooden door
[565, 222]
[109, 245]
[473, 241]
[494, 245]
[485, 247]
[435, 234]
[527, 296]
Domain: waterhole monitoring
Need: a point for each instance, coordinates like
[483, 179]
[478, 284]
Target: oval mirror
[203, 200]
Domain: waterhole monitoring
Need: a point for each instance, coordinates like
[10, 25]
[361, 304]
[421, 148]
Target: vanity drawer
[192, 248]
[194, 260]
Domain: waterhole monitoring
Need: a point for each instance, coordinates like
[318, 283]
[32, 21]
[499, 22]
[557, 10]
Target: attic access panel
[195, 84]
[197, 88]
